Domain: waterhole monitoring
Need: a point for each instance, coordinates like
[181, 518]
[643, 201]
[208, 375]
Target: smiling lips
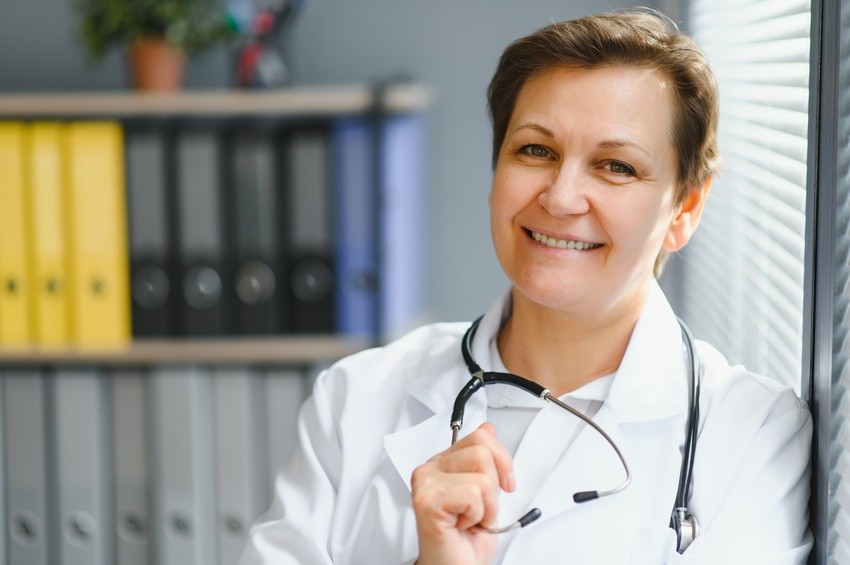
[563, 243]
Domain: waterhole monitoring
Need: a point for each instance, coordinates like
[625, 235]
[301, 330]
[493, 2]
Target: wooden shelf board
[215, 351]
[289, 102]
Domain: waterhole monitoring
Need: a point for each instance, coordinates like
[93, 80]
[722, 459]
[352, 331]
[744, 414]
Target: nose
[566, 193]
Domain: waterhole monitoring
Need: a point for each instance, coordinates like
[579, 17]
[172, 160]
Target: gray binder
[285, 391]
[240, 456]
[184, 506]
[84, 488]
[25, 438]
[130, 463]
[3, 509]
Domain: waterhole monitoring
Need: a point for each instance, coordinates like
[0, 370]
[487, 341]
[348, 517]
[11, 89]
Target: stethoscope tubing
[687, 468]
[480, 378]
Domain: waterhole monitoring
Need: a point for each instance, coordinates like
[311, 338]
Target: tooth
[562, 243]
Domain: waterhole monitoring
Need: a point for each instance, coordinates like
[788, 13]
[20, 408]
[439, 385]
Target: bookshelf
[303, 104]
[164, 449]
[292, 102]
[260, 350]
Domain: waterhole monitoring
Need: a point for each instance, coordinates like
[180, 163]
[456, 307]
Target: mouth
[563, 243]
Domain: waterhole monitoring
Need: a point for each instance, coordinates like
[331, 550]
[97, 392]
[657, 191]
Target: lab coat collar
[650, 384]
[439, 391]
[652, 380]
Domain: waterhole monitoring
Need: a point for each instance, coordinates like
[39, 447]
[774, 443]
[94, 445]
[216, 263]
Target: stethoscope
[682, 521]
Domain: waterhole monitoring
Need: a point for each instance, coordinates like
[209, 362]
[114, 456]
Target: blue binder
[403, 224]
[396, 277]
[355, 225]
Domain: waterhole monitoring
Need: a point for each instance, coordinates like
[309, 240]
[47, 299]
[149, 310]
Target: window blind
[742, 274]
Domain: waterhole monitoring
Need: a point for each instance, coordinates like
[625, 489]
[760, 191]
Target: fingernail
[511, 482]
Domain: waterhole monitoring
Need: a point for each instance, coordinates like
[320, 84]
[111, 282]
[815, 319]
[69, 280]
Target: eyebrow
[607, 144]
[617, 144]
[536, 127]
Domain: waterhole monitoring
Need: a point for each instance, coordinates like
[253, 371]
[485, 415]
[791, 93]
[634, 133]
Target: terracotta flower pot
[156, 65]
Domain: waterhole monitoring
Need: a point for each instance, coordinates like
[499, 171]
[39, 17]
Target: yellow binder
[49, 305]
[14, 284]
[97, 235]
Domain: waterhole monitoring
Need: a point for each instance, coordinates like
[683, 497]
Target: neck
[563, 352]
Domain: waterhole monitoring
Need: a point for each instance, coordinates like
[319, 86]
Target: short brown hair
[637, 38]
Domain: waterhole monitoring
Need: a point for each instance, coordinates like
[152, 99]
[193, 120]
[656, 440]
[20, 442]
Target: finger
[453, 500]
[485, 435]
[475, 460]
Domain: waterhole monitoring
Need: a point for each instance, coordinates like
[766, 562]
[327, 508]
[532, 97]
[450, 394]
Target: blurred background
[157, 445]
[451, 47]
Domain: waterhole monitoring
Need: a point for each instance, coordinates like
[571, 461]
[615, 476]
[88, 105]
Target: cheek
[510, 193]
[499, 198]
[640, 224]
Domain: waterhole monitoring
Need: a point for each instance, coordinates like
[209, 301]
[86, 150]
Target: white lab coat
[375, 416]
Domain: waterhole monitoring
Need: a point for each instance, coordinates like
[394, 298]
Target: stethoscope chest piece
[686, 528]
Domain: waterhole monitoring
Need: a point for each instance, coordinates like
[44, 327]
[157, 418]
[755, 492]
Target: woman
[603, 153]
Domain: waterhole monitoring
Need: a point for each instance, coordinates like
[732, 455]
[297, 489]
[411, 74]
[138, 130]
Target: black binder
[151, 286]
[201, 260]
[310, 275]
[253, 201]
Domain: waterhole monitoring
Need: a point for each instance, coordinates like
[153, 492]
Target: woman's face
[583, 192]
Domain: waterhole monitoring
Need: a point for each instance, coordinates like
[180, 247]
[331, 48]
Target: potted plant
[157, 34]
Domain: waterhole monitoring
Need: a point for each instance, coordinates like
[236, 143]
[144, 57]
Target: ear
[685, 223]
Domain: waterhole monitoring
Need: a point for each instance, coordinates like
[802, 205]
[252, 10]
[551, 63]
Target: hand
[454, 492]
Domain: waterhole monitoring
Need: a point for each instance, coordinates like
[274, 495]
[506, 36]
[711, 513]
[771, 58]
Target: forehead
[617, 98]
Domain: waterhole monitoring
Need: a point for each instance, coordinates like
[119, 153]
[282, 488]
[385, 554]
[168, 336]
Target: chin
[554, 293]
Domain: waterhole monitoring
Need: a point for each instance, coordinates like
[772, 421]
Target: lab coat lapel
[413, 446]
[589, 463]
[544, 444]
[650, 384]
[416, 442]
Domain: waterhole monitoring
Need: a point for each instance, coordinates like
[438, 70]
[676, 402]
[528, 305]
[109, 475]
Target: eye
[533, 150]
[620, 168]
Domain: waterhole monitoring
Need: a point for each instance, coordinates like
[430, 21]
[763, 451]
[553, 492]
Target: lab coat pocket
[652, 545]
